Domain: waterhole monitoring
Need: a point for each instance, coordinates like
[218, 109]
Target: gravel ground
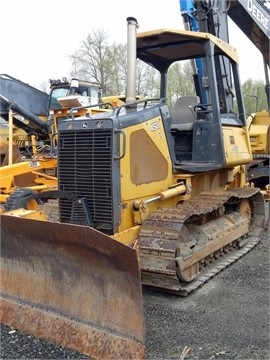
[228, 318]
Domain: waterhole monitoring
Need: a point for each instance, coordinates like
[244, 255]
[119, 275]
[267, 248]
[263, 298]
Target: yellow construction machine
[259, 170]
[147, 195]
[27, 157]
[32, 111]
[29, 130]
[19, 123]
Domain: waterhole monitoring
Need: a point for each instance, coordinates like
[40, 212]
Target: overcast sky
[37, 37]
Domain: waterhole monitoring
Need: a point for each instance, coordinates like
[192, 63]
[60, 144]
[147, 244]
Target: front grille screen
[85, 169]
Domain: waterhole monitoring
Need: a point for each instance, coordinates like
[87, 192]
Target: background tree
[95, 60]
[254, 95]
[147, 80]
[180, 81]
[115, 65]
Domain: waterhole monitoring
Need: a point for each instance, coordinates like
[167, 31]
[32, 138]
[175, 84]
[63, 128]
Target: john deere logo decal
[84, 125]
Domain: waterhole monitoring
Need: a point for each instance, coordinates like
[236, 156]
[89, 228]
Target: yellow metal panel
[10, 172]
[147, 163]
[28, 214]
[154, 131]
[259, 138]
[237, 148]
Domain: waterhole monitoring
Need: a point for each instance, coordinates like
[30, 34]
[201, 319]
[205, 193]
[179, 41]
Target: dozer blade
[73, 286]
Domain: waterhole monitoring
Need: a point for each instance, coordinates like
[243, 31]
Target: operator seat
[182, 112]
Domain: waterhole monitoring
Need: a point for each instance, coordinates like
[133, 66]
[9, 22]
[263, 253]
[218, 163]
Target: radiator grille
[85, 169]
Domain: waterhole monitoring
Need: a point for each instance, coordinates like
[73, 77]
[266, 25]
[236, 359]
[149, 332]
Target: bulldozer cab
[208, 135]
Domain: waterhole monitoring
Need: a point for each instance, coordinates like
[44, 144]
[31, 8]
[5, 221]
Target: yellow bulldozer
[147, 196]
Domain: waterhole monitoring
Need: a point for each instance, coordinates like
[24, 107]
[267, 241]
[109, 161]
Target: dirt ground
[227, 318]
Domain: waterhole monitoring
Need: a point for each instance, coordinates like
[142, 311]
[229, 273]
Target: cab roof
[160, 48]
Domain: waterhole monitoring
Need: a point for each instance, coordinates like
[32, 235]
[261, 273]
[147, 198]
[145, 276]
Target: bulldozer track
[165, 246]
[185, 290]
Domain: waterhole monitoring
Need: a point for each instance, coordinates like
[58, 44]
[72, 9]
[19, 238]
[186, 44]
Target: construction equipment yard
[133, 229]
[228, 318]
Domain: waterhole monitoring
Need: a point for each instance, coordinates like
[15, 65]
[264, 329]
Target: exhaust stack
[132, 26]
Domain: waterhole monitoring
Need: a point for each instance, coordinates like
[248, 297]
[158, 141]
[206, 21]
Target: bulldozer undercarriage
[181, 248]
